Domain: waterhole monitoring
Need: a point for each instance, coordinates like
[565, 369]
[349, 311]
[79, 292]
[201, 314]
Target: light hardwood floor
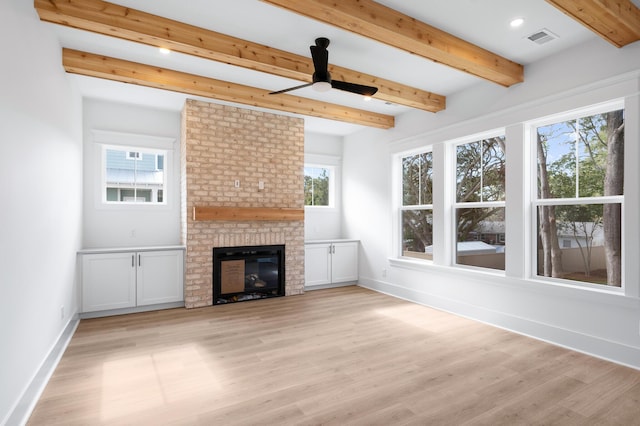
[338, 356]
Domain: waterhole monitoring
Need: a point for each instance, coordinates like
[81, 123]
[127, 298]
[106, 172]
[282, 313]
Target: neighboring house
[584, 233]
[134, 176]
[489, 232]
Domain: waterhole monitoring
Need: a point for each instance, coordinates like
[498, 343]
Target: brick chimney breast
[225, 153]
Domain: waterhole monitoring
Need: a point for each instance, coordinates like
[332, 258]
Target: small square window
[133, 176]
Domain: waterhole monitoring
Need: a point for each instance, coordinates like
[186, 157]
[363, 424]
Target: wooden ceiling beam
[90, 64]
[386, 25]
[133, 25]
[617, 21]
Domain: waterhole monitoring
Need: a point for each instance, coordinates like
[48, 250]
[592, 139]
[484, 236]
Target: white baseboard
[20, 413]
[331, 285]
[134, 310]
[591, 345]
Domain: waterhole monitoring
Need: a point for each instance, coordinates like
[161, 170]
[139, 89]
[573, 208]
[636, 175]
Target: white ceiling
[482, 22]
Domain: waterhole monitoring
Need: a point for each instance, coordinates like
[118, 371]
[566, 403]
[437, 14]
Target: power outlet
[384, 273]
[236, 183]
[61, 312]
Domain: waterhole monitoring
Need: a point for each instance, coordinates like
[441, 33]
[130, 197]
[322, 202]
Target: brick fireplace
[238, 158]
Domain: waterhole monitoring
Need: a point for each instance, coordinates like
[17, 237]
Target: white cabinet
[159, 277]
[317, 264]
[116, 280]
[330, 262]
[108, 281]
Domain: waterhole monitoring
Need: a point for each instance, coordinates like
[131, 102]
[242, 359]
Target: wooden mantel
[247, 213]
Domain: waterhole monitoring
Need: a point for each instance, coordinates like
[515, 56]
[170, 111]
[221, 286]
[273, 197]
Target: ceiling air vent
[542, 36]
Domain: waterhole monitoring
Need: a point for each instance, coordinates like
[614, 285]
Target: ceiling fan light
[321, 86]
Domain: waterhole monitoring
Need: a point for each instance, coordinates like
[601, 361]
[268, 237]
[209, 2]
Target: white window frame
[452, 146]
[536, 202]
[400, 207]
[332, 164]
[131, 142]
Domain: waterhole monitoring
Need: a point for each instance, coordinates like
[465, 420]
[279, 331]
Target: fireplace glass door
[247, 273]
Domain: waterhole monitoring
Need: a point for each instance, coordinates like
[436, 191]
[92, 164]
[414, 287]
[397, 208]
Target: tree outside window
[480, 203]
[317, 186]
[417, 206]
[580, 167]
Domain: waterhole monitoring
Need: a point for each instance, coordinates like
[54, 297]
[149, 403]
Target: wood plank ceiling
[364, 17]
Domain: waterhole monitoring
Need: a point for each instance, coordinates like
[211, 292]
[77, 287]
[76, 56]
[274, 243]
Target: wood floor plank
[335, 356]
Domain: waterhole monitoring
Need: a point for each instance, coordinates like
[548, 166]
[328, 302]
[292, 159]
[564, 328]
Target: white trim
[608, 350]
[478, 204]
[577, 96]
[132, 310]
[132, 139]
[532, 126]
[397, 203]
[322, 159]
[574, 113]
[22, 409]
[611, 199]
[332, 185]
[101, 196]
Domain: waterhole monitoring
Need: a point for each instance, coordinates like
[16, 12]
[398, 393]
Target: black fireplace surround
[247, 273]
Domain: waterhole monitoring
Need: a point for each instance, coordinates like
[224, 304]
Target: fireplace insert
[247, 273]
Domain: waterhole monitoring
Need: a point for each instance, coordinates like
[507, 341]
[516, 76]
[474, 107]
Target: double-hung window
[480, 203]
[578, 208]
[416, 211]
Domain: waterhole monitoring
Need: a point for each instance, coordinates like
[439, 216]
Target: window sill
[590, 293]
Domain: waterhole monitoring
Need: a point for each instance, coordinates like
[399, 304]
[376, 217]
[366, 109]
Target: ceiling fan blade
[320, 56]
[354, 88]
[290, 89]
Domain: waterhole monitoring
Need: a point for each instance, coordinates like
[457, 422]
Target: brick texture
[219, 145]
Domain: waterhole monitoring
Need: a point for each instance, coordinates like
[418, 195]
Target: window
[318, 184]
[416, 211]
[133, 175]
[480, 205]
[579, 197]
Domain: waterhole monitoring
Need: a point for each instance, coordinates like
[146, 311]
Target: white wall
[129, 226]
[601, 323]
[322, 223]
[41, 193]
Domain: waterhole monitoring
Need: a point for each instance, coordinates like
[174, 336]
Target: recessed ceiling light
[164, 50]
[516, 22]
[367, 98]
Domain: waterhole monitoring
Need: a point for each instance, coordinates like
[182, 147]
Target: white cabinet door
[344, 262]
[159, 277]
[317, 266]
[108, 281]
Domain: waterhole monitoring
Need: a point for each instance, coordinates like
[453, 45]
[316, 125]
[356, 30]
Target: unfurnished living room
[280, 212]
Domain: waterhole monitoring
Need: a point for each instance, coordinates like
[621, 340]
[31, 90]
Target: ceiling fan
[322, 81]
